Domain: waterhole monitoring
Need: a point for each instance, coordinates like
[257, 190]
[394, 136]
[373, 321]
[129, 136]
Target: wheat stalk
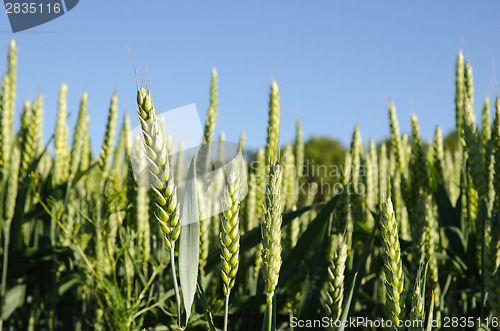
[26, 140]
[162, 181]
[212, 109]
[343, 209]
[138, 198]
[179, 163]
[485, 124]
[417, 312]
[356, 195]
[273, 126]
[229, 238]
[7, 98]
[308, 200]
[6, 127]
[271, 232]
[383, 168]
[396, 146]
[119, 154]
[11, 187]
[459, 93]
[260, 173]
[261, 179]
[394, 283]
[438, 153]
[372, 197]
[299, 150]
[205, 231]
[418, 164]
[335, 285]
[81, 129]
[204, 204]
[86, 149]
[12, 72]
[6, 220]
[398, 165]
[492, 238]
[106, 156]
[469, 84]
[431, 242]
[62, 153]
[289, 179]
[251, 204]
[230, 233]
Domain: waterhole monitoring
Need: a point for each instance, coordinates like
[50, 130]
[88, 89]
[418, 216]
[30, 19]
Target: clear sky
[337, 63]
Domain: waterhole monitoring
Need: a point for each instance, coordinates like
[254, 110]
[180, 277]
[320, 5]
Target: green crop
[409, 233]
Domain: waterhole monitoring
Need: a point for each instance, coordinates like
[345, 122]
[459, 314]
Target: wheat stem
[162, 182]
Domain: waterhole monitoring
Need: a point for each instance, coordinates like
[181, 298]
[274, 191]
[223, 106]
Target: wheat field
[408, 240]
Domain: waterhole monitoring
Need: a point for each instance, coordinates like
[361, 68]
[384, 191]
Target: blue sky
[336, 63]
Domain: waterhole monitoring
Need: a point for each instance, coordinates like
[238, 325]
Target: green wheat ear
[495, 137]
[299, 151]
[81, 129]
[12, 72]
[372, 193]
[120, 151]
[271, 232]
[356, 200]
[86, 158]
[25, 143]
[12, 185]
[459, 94]
[260, 177]
[138, 198]
[438, 153]
[230, 233]
[335, 284]
[106, 155]
[6, 127]
[160, 172]
[469, 84]
[243, 139]
[251, 204]
[289, 179]
[273, 127]
[383, 168]
[418, 163]
[62, 153]
[7, 106]
[212, 109]
[393, 270]
[396, 145]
